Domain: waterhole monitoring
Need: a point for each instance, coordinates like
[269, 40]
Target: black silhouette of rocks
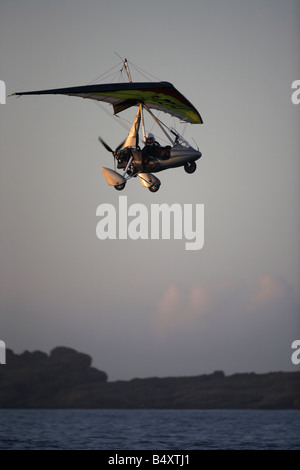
[65, 379]
[35, 380]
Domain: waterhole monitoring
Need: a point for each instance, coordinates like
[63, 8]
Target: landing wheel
[119, 187]
[154, 188]
[190, 167]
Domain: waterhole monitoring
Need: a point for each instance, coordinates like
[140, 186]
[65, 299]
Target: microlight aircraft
[129, 156]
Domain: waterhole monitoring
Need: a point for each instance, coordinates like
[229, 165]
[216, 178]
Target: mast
[127, 70]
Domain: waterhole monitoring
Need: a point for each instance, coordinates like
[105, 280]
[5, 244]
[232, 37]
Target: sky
[144, 308]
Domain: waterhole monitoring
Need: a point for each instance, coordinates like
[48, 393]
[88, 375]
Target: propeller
[109, 149]
[105, 145]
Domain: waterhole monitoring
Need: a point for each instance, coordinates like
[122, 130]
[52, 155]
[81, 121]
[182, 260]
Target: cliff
[65, 379]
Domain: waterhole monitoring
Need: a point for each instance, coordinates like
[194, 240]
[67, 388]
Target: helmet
[150, 139]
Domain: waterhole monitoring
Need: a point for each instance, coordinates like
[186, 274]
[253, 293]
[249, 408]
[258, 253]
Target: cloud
[177, 308]
[269, 290]
[230, 325]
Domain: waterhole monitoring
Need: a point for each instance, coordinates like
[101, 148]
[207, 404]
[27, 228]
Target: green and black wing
[162, 96]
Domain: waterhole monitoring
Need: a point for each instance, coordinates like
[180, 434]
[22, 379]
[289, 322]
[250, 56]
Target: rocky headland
[66, 379]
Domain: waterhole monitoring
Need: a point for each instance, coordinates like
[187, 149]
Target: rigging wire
[120, 73]
[143, 72]
[118, 119]
[158, 114]
[105, 73]
[117, 75]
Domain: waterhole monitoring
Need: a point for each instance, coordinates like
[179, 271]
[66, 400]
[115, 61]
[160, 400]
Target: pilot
[150, 139]
[149, 150]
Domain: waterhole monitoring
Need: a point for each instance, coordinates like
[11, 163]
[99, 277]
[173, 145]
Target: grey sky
[149, 307]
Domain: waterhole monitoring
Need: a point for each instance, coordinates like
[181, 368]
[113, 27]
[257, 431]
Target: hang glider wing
[162, 96]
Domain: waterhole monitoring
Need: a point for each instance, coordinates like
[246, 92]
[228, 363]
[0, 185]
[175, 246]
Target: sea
[37, 429]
